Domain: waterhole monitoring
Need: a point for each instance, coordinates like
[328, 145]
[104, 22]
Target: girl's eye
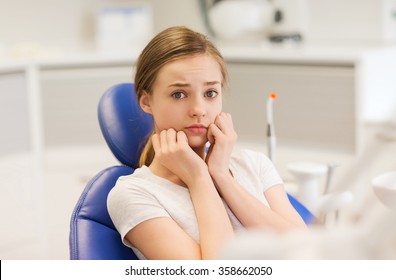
[211, 94]
[178, 95]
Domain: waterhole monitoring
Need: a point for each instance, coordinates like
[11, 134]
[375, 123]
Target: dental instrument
[270, 127]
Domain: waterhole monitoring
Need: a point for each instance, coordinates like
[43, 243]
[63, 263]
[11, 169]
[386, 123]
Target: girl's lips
[197, 129]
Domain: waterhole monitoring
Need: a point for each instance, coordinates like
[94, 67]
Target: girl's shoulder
[252, 161]
[142, 182]
[138, 174]
[255, 167]
[138, 181]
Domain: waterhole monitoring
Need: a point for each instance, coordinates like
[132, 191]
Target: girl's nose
[198, 108]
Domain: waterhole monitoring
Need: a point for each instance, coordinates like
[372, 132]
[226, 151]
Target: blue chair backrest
[123, 123]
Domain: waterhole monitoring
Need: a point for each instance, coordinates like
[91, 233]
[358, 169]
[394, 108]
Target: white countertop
[68, 59]
[258, 53]
[295, 53]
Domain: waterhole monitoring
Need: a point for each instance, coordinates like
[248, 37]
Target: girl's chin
[196, 142]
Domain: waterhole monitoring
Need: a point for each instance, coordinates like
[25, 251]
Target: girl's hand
[173, 152]
[222, 137]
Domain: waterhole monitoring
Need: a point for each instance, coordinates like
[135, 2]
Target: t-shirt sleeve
[129, 205]
[259, 169]
[268, 174]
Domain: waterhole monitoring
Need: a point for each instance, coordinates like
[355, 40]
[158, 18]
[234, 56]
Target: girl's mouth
[197, 129]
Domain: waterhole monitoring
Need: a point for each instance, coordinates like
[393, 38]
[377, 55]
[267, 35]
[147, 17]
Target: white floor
[35, 210]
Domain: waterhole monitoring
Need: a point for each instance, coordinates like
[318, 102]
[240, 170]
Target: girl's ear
[145, 103]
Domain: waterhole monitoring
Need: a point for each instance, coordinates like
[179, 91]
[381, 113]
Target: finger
[224, 122]
[171, 137]
[181, 138]
[163, 140]
[210, 134]
[214, 132]
[228, 126]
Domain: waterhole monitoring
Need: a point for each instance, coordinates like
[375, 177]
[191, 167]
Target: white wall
[45, 22]
[352, 21]
[69, 24]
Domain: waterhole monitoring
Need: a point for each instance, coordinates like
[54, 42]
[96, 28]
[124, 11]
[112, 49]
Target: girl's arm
[162, 238]
[252, 213]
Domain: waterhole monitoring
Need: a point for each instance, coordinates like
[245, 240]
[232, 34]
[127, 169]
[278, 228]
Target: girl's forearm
[251, 212]
[213, 222]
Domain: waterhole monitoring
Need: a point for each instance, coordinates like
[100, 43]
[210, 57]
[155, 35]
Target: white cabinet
[70, 98]
[316, 105]
[14, 113]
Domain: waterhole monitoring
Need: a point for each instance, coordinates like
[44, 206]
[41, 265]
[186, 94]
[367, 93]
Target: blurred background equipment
[384, 186]
[319, 21]
[276, 20]
[124, 28]
[241, 20]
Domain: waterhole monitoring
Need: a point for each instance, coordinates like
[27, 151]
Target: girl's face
[186, 97]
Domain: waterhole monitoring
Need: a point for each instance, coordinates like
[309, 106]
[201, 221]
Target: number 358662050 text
[232, 270]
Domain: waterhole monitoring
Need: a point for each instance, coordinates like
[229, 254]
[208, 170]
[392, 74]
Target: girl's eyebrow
[181, 84]
[212, 83]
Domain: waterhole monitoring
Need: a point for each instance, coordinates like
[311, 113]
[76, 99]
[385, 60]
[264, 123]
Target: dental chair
[124, 126]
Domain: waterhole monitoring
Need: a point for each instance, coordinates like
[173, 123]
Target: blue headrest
[124, 125]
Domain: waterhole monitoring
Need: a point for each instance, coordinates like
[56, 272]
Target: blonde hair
[171, 44]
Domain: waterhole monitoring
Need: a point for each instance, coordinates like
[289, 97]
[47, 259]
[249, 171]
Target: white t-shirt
[142, 195]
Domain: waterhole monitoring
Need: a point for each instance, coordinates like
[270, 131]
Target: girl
[183, 203]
